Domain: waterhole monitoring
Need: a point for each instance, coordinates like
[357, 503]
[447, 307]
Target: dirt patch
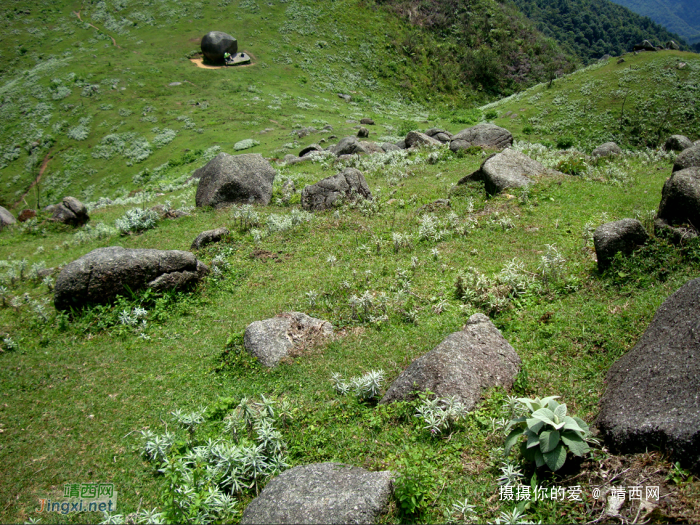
[664, 502]
[199, 62]
[264, 256]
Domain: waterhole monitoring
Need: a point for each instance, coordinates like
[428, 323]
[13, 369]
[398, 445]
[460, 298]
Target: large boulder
[484, 135]
[325, 193]
[371, 147]
[619, 236]
[464, 365]
[6, 218]
[671, 44]
[70, 211]
[507, 169]
[645, 46]
[363, 132]
[216, 43]
[680, 202]
[270, 340]
[104, 273]
[322, 493]
[388, 146]
[678, 143]
[347, 146]
[416, 139]
[606, 150]
[229, 179]
[310, 149]
[209, 237]
[652, 397]
[689, 158]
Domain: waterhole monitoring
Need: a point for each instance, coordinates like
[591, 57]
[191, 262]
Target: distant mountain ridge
[593, 28]
[679, 16]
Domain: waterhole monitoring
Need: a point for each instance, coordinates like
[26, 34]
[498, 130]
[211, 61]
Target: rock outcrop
[484, 135]
[70, 211]
[6, 218]
[209, 237]
[606, 150]
[507, 169]
[619, 236]
[325, 193]
[270, 340]
[677, 143]
[651, 400]
[416, 139]
[679, 209]
[322, 493]
[216, 43]
[689, 158]
[464, 365]
[347, 146]
[229, 179]
[104, 273]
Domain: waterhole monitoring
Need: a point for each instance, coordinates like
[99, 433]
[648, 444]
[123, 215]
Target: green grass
[637, 103]
[78, 389]
[65, 372]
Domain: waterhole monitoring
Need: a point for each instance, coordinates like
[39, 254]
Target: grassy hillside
[637, 103]
[80, 391]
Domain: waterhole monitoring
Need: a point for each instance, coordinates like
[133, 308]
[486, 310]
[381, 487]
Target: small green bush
[575, 165]
[565, 142]
[550, 433]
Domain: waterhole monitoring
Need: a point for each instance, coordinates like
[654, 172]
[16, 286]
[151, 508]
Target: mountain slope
[593, 28]
[679, 16]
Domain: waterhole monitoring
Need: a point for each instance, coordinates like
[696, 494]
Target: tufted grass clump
[365, 388]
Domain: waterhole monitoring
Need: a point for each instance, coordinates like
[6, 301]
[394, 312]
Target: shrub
[136, 220]
[491, 114]
[549, 433]
[574, 165]
[565, 142]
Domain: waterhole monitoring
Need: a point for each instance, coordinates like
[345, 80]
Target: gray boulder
[363, 132]
[304, 132]
[507, 169]
[689, 158]
[104, 273]
[325, 193]
[671, 44]
[310, 149]
[619, 236]
[680, 202]
[346, 98]
[347, 146]
[401, 144]
[322, 493]
[70, 211]
[388, 146]
[416, 139]
[272, 339]
[209, 237]
[367, 122]
[293, 159]
[677, 143]
[216, 43]
[645, 46]
[229, 179]
[371, 147]
[651, 400]
[6, 218]
[606, 150]
[484, 135]
[464, 365]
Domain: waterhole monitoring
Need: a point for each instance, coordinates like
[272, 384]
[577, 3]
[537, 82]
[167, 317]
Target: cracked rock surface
[99, 276]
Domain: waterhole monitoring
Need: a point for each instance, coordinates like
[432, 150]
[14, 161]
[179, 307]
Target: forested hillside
[679, 16]
[493, 46]
[593, 28]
